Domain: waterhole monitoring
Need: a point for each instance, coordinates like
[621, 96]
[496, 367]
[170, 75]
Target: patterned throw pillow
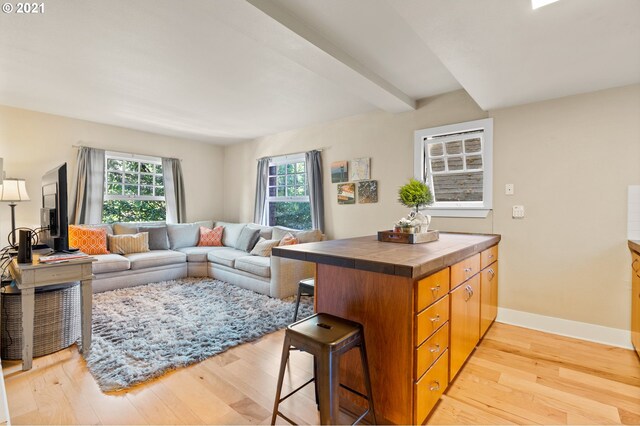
[288, 240]
[88, 240]
[263, 247]
[211, 237]
[129, 243]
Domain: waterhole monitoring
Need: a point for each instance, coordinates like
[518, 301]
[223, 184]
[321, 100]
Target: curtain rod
[124, 153]
[291, 153]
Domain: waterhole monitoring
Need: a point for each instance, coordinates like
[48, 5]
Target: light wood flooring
[516, 375]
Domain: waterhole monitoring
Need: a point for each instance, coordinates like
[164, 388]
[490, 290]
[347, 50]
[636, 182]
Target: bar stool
[327, 338]
[305, 288]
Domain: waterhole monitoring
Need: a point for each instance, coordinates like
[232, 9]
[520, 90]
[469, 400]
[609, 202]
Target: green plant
[415, 194]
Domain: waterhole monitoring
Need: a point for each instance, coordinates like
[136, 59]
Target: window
[134, 189]
[456, 163]
[288, 193]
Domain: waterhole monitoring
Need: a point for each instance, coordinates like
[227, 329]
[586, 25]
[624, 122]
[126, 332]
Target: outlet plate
[509, 189]
[517, 212]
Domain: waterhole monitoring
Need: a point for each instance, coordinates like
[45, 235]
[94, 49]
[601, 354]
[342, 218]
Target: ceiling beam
[287, 35]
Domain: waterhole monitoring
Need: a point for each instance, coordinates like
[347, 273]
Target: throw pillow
[303, 236]
[158, 238]
[288, 240]
[263, 247]
[211, 237]
[129, 243]
[231, 233]
[124, 229]
[247, 239]
[186, 234]
[88, 240]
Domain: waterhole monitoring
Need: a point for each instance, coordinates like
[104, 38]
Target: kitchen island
[424, 308]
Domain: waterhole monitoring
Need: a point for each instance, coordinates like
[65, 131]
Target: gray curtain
[89, 197]
[262, 181]
[174, 190]
[313, 165]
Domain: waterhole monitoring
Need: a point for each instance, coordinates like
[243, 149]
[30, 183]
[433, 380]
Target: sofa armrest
[286, 274]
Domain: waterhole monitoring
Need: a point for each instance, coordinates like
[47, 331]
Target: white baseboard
[579, 330]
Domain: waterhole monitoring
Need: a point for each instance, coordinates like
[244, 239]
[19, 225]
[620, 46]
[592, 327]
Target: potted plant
[416, 194]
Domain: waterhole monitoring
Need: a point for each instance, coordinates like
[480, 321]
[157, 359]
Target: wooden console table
[30, 276]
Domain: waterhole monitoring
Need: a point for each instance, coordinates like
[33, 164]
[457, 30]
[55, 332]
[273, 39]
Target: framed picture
[360, 169]
[368, 191]
[346, 193]
[339, 171]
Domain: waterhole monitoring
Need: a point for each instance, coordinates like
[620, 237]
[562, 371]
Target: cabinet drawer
[432, 288]
[430, 387]
[431, 319]
[431, 349]
[488, 256]
[465, 269]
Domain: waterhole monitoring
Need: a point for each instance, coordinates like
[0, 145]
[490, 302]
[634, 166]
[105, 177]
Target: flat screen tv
[53, 215]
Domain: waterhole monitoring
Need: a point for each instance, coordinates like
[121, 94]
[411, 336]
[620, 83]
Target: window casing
[456, 161]
[288, 201]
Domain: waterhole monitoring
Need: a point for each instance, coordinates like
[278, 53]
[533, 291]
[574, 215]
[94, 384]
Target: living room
[566, 136]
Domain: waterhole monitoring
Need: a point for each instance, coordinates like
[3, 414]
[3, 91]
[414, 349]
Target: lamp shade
[13, 190]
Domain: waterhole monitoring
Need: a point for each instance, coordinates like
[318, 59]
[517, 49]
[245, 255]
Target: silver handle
[467, 289]
[435, 290]
[435, 349]
[490, 256]
[435, 386]
[435, 319]
[492, 272]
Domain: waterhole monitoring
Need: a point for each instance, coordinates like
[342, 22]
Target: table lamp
[13, 191]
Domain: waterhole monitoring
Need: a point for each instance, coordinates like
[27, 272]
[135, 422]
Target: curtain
[89, 197]
[313, 165]
[174, 190]
[262, 180]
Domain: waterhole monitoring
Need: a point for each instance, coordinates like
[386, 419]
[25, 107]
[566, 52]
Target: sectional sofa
[273, 276]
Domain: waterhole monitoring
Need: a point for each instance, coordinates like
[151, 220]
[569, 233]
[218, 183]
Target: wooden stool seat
[326, 337]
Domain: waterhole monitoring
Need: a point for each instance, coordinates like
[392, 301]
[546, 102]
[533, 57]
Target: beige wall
[570, 159]
[32, 143]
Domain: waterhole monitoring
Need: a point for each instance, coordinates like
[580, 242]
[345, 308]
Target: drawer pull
[467, 270]
[490, 256]
[492, 272]
[436, 318]
[435, 349]
[469, 291]
[435, 386]
[435, 290]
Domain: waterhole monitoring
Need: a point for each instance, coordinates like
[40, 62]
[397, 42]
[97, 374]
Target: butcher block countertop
[407, 260]
[634, 245]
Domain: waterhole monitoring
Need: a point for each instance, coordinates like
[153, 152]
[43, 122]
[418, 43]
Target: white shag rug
[140, 333]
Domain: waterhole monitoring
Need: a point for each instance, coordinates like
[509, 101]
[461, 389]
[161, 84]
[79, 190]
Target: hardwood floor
[516, 375]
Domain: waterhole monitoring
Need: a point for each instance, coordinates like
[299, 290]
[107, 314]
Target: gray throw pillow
[158, 237]
[124, 229]
[186, 234]
[247, 239]
[231, 233]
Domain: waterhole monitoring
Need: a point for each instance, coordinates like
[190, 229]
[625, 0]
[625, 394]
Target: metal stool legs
[295, 314]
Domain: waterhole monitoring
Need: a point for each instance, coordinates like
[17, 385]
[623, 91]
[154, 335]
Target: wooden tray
[406, 238]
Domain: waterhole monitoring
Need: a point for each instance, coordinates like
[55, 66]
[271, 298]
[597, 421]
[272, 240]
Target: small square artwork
[346, 193]
[368, 191]
[360, 169]
[339, 171]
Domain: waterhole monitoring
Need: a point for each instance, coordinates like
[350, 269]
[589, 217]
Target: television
[53, 214]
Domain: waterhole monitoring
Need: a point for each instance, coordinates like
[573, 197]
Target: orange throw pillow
[288, 240]
[88, 240]
[210, 237]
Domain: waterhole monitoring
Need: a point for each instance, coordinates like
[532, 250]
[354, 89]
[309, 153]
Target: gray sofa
[273, 276]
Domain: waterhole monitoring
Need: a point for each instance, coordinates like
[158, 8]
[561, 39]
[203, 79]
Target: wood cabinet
[489, 291]
[635, 301]
[464, 323]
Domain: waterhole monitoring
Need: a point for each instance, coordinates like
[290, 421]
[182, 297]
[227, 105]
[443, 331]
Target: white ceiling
[224, 71]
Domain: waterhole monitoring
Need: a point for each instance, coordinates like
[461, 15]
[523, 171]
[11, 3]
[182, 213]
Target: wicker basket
[56, 320]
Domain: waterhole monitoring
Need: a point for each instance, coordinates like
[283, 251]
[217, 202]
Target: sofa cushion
[198, 254]
[263, 247]
[158, 237]
[185, 234]
[265, 231]
[288, 240]
[129, 243]
[155, 258]
[89, 240]
[256, 265]
[231, 233]
[210, 237]
[306, 236]
[247, 239]
[226, 256]
[110, 263]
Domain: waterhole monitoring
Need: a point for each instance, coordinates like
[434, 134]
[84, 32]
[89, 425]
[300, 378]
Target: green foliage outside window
[133, 211]
[291, 214]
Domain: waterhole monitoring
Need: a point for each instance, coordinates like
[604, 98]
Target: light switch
[509, 189]
[517, 212]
